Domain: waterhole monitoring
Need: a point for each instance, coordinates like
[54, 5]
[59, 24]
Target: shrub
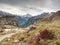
[45, 34]
[37, 38]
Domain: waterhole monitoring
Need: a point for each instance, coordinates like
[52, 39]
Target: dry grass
[23, 37]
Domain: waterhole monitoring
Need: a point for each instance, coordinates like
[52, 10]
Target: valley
[43, 32]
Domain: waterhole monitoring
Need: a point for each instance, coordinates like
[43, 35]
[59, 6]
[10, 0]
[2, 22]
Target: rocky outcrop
[7, 20]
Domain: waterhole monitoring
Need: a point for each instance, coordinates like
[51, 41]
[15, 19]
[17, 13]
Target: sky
[33, 7]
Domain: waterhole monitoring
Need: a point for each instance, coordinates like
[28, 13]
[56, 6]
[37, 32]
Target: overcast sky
[33, 7]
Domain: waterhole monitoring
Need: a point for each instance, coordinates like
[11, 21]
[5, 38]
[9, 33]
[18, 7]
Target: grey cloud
[52, 4]
[24, 2]
[56, 4]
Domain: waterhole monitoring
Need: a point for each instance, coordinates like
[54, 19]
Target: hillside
[53, 17]
[47, 32]
[35, 19]
[8, 20]
[21, 21]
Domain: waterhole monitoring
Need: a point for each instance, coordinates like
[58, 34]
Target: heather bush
[37, 38]
[45, 34]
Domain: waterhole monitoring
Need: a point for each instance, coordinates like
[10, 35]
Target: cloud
[56, 4]
[32, 6]
[20, 10]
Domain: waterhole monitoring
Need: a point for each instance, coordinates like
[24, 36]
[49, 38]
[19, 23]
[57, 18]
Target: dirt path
[5, 36]
[9, 35]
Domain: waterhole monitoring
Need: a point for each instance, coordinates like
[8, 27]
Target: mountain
[55, 16]
[20, 20]
[11, 18]
[35, 19]
[23, 21]
[6, 13]
[44, 32]
[7, 20]
[27, 16]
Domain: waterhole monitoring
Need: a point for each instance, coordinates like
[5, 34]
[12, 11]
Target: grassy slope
[51, 23]
[55, 27]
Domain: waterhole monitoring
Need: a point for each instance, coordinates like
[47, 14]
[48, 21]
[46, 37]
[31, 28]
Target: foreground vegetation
[44, 34]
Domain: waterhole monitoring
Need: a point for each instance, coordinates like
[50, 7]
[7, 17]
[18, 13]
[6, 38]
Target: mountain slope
[32, 37]
[53, 17]
[35, 19]
[7, 18]
[22, 19]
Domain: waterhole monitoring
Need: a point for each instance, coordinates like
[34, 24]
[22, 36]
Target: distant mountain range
[19, 19]
[35, 19]
[5, 13]
[54, 16]
[23, 21]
